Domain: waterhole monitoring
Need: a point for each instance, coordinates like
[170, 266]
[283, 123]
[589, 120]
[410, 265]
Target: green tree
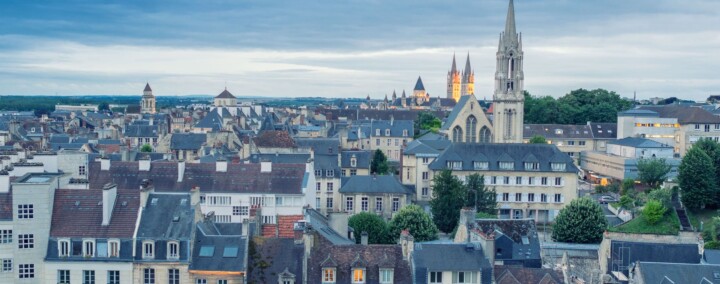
[577, 107]
[696, 177]
[711, 230]
[377, 229]
[652, 172]
[146, 148]
[581, 221]
[663, 195]
[653, 211]
[628, 187]
[379, 163]
[712, 149]
[538, 139]
[482, 198]
[103, 106]
[427, 121]
[626, 202]
[415, 220]
[449, 196]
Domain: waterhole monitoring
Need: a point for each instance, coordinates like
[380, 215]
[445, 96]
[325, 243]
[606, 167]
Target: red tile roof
[85, 218]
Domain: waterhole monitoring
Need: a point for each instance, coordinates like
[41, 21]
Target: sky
[354, 48]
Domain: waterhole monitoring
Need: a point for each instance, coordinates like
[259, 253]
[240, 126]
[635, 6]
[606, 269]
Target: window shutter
[498, 197]
[562, 198]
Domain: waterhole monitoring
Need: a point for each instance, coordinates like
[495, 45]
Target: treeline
[46, 104]
[577, 107]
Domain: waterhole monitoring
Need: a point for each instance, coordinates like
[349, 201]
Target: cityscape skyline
[289, 50]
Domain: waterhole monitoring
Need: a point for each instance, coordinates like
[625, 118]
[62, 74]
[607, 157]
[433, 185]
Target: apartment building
[621, 157]
[389, 136]
[415, 171]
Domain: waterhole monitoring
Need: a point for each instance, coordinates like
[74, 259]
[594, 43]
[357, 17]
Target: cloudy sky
[353, 48]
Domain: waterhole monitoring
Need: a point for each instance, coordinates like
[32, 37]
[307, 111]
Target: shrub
[653, 211]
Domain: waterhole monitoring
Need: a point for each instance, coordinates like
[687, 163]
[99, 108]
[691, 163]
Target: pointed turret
[394, 95]
[147, 88]
[386, 98]
[467, 70]
[403, 94]
[453, 69]
[419, 84]
[510, 21]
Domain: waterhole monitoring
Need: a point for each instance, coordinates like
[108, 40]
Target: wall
[101, 271]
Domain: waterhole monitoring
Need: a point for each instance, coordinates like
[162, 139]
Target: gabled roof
[321, 146]
[522, 233]
[167, 216]
[449, 257]
[141, 131]
[507, 274]
[319, 223]
[373, 184]
[78, 213]
[213, 120]
[221, 252]
[362, 159]
[279, 256]
[419, 85]
[467, 153]
[558, 131]
[187, 141]
[457, 110]
[684, 114]
[225, 95]
[416, 147]
[654, 272]
[274, 139]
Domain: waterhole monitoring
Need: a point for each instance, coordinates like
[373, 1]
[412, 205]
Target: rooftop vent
[154, 201]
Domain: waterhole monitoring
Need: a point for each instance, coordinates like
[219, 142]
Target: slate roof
[375, 114]
[558, 131]
[626, 253]
[225, 95]
[637, 142]
[449, 257]
[219, 241]
[374, 184]
[319, 223]
[280, 158]
[362, 159]
[396, 127]
[419, 85]
[523, 275]
[427, 147]
[684, 114]
[167, 216]
[517, 240]
[493, 153]
[239, 178]
[187, 141]
[274, 139]
[712, 256]
[653, 272]
[147, 88]
[213, 120]
[603, 130]
[85, 218]
[281, 254]
[326, 163]
[321, 146]
[141, 131]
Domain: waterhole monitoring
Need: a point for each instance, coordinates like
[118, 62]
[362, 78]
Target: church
[468, 122]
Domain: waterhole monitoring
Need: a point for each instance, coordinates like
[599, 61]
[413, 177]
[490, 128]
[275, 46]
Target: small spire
[453, 69]
[510, 21]
[468, 70]
[147, 87]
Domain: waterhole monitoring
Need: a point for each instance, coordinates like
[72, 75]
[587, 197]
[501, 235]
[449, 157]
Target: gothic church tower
[508, 99]
[468, 79]
[453, 82]
[147, 103]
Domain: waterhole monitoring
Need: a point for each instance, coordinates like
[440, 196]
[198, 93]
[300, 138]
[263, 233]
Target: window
[557, 167]
[173, 276]
[6, 236]
[318, 173]
[63, 277]
[387, 132]
[506, 196]
[329, 202]
[425, 191]
[464, 277]
[353, 172]
[364, 204]
[558, 198]
[532, 166]
[173, 250]
[479, 166]
[518, 197]
[395, 204]
[358, 275]
[378, 204]
[425, 175]
[219, 200]
[202, 199]
[435, 276]
[558, 181]
[543, 181]
[318, 186]
[531, 197]
[581, 142]
[7, 265]
[267, 220]
[518, 180]
[506, 180]
[148, 249]
[707, 127]
[389, 142]
[386, 276]
[328, 275]
[330, 186]
[149, 276]
[543, 198]
[241, 210]
[349, 204]
[531, 180]
[26, 241]
[113, 277]
[201, 281]
[397, 142]
[88, 248]
[81, 170]
[222, 281]
[26, 271]
[64, 248]
[317, 202]
[506, 165]
[697, 126]
[25, 211]
[377, 142]
[471, 129]
[89, 277]
[405, 132]
[343, 172]
[457, 134]
[425, 160]
[571, 143]
[454, 165]
[114, 248]
[330, 173]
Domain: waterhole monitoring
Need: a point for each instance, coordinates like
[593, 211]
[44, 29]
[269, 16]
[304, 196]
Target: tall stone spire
[453, 69]
[508, 99]
[467, 70]
[510, 21]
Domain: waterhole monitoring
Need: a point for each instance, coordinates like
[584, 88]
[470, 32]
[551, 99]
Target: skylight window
[230, 251]
[207, 251]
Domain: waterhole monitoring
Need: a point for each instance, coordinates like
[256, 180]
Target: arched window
[471, 129]
[485, 136]
[457, 134]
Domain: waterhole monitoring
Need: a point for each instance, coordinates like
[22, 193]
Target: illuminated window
[358, 275]
[328, 276]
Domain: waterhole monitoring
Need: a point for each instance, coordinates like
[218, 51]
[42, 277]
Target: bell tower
[508, 98]
[453, 82]
[147, 103]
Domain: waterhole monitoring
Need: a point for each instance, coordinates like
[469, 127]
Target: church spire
[510, 21]
[453, 69]
[468, 70]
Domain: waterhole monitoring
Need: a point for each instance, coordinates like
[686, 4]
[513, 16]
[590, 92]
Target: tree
[449, 196]
[696, 177]
[103, 106]
[146, 148]
[626, 202]
[415, 220]
[427, 121]
[538, 139]
[379, 163]
[581, 221]
[663, 195]
[712, 149]
[653, 211]
[652, 171]
[377, 229]
[628, 187]
[480, 197]
[577, 107]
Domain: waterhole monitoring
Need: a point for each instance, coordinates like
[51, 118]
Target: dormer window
[405, 132]
[173, 250]
[506, 165]
[479, 166]
[64, 248]
[377, 132]
[148, 250]
[88, 248]
[114, 248]
[328, 275]
[330, 173]
[454, 165]
[386, 276]
[387, 132]
[557, 167]
[558, 131]
[358, 275]
[353, 161]
[532, 166]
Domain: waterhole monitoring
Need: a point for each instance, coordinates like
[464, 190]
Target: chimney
[4, 181]
[146, 188]
[181, 170]
[221, 165]
[109, 194]
[104, 163]
[487, 242]
[407, 243]
[265, 167]
[364, 238]
[144, 164]
[194, 195]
